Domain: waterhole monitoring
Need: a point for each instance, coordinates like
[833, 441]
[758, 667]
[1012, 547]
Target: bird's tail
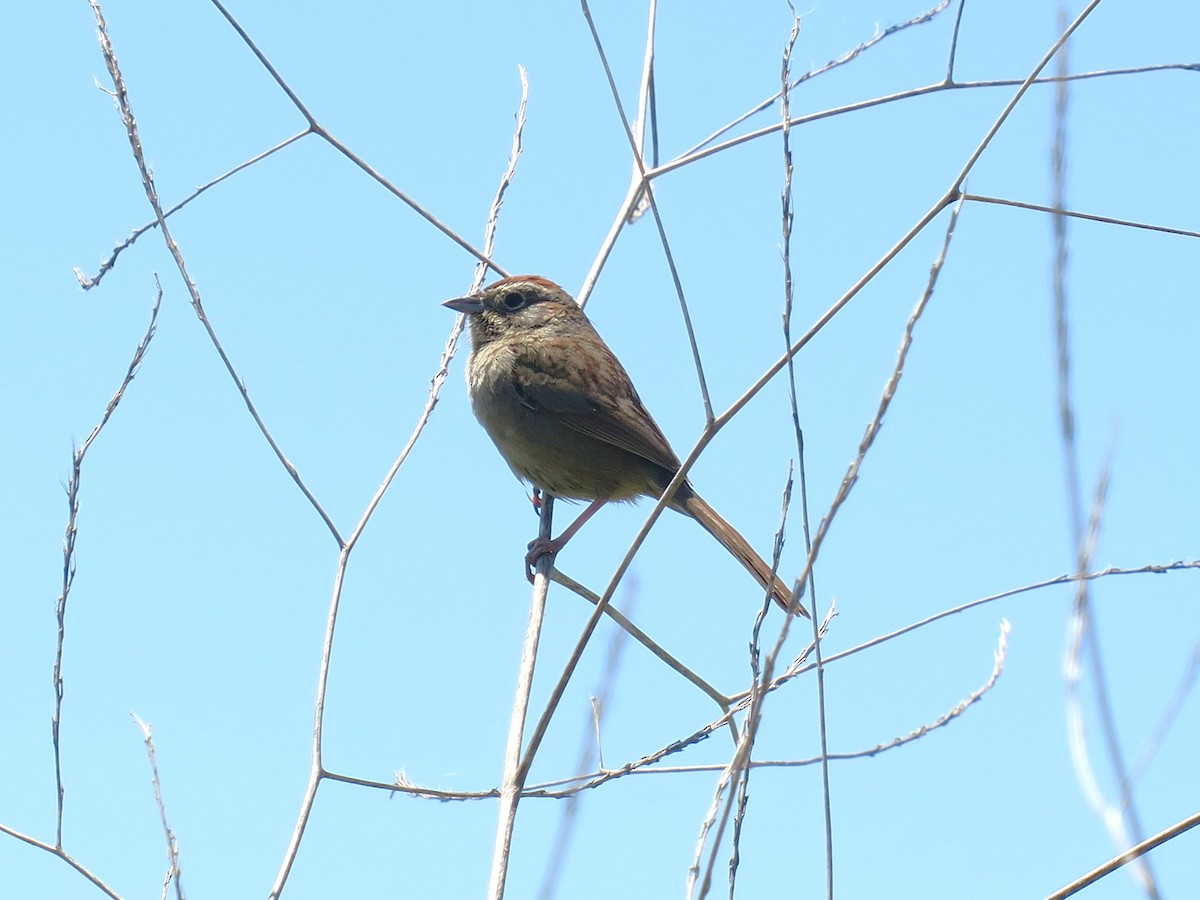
[694, 506]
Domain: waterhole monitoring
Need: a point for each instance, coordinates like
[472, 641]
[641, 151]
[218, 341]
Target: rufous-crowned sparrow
[565, 416]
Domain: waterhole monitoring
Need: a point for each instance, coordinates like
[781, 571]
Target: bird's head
[516, 305]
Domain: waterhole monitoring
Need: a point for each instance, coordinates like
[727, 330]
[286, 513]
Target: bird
[564, 414]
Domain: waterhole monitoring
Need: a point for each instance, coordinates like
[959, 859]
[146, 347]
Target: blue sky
[204, 576]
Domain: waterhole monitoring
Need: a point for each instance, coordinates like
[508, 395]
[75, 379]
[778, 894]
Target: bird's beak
[468, 305]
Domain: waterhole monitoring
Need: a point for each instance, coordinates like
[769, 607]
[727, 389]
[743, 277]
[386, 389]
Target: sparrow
[564, 414]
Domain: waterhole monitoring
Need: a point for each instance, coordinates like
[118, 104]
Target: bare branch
[121, 96]
[88, 283]
[822, 729]
[641, 637]
[65, 857]
[173, 873]
[962, 5]
[908, 94]
[946, 718]
[515, 771]
[317, 128]
[317, 771]
[847, 57]
[69, 556]
[1090, 217]
[646, 764]
[1135, 852]
[1120, 820]
[644, 184]
[591, 749]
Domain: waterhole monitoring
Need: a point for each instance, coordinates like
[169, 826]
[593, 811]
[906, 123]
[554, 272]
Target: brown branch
[1134, 852]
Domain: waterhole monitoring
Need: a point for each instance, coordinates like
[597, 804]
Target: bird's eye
[514, 300]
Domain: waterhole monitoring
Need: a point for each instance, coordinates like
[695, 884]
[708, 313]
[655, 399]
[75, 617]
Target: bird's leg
[536, 499]
[541, 546]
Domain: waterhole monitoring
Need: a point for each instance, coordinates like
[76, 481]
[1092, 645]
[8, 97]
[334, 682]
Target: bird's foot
[538, 548]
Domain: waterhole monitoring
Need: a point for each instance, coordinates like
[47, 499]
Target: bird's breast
[541, 448]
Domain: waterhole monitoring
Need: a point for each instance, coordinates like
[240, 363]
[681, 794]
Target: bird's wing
[597, 399]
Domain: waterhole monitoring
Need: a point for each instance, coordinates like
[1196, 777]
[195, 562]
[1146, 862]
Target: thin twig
[1121, 820]
[641, 637]
[1135, 852]
[868, 440]
[121, 96]
[320, 130]
[952, 195]
[822, 723]
[640, 176]
[697, 886]
[907, 94]
[847, 57]
[999, 659]
[591, 749]
[740, 777]
[65, 857]
[697, 736]
[69, 556]
[701, 150]
[88, 283]
[451, 346]
[68, 579]
[800, 668]
[646, 764]
[173, 872]
[758, 689]
[945, 719]
[1108, 220]
[1150, 569]
[317, 770]
[743, 782]
[1061, 329]
[962, 5]
[647, 110]
[400, 784]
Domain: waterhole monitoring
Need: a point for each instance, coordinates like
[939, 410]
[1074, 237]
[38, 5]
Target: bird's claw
[538, 548]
